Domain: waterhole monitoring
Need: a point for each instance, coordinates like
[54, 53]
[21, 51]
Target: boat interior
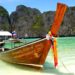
[6, 45]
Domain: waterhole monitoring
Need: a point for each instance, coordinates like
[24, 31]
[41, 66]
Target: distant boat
[35, 53]
[3, 36]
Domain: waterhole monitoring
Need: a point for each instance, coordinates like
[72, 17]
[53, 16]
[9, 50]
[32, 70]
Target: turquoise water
[66, 49]
[10, 44]
[66, 57]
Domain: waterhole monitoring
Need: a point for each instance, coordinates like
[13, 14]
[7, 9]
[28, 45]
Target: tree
[37, 26]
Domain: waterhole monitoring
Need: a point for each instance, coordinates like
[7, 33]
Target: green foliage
[37, 26]
[3, 12]
[4, 19]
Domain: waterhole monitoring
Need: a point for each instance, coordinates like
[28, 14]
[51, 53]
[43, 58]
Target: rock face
[22, 20]
[4, 19]
[33, 23]
[68, 24]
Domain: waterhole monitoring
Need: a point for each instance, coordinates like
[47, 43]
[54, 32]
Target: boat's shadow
[48, 68]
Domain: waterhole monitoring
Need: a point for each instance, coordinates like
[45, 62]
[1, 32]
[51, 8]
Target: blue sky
[42, 5]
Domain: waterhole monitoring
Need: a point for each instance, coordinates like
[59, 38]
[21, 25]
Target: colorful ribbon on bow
[54, 48]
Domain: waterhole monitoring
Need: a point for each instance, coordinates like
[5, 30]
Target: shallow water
[10, 44]
[66, 56]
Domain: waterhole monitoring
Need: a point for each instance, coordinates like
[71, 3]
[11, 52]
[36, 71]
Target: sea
[66, 61]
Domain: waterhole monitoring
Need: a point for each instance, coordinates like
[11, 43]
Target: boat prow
[35, 53]
[32, 53]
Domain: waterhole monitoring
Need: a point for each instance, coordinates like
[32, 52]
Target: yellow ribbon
[54, 48]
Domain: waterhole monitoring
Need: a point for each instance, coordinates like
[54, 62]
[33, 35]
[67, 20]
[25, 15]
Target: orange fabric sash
[54, 47]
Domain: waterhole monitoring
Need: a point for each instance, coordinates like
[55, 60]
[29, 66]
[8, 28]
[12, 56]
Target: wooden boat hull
[32, 53]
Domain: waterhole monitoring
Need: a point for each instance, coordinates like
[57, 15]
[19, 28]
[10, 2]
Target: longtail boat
[35, 53]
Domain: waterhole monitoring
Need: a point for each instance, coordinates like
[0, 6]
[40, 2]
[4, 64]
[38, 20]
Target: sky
[42, 5]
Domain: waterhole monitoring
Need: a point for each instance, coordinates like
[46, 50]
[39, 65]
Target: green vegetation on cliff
[4, 19]
[34, 23]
